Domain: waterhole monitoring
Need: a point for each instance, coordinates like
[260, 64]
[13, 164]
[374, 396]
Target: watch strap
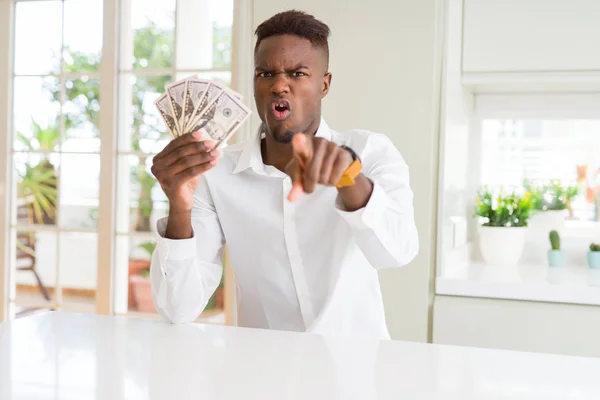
[350, 174]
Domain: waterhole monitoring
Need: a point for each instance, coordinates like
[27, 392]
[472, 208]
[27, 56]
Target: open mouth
[281, 109]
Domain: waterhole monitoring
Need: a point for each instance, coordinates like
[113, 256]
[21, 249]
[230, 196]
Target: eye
[298, 74]
[265, 74]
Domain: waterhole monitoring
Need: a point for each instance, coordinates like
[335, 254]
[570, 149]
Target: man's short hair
[297, 23]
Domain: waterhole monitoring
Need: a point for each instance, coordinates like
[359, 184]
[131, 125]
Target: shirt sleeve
[185, 273]
[384, 229]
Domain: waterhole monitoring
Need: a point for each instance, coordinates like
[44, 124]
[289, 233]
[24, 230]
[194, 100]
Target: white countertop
[73, 356]
[571, 284]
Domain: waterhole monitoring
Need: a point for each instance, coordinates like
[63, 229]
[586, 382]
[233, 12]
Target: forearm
[356, 196]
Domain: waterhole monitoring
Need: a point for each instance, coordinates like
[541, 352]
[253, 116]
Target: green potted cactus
[593, 256]
[556, 257]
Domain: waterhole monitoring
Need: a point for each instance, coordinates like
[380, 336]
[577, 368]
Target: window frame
[110, 73]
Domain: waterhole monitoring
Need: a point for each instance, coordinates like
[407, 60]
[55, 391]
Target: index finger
[182, 141]
[303, 151]
[297, 189]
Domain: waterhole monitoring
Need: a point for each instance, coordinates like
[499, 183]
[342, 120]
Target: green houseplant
[551, 203]
[504, 217]
[37, 186]
[556, 257]
[593, 256]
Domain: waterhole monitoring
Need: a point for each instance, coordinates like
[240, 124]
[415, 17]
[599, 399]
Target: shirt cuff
[366, 217]
[171, 249]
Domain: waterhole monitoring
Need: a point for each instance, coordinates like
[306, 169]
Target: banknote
[194, 104]
[196, 90]
[212, 93]
[222, 117]
[176, 93]
[163, 104]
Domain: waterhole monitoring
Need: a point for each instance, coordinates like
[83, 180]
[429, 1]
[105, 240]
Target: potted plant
[504, 224]
[556, 257]
[571, 193]
[140, 286]
[551, 204]
[593, 256]
[38, 181]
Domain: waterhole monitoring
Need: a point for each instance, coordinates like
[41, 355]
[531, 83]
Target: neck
[280, 154]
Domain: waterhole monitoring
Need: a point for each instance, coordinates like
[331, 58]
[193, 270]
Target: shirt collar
[251, 156]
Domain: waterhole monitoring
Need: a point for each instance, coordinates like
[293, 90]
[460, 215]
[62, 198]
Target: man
[308, 214]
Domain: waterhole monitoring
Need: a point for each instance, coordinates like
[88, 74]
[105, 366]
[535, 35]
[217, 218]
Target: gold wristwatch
[350, 174]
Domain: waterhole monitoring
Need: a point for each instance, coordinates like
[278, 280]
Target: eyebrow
[264, 69]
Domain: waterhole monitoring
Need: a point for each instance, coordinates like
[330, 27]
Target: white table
[71, 356]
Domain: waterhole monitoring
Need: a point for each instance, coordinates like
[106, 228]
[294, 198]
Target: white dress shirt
[304, 266]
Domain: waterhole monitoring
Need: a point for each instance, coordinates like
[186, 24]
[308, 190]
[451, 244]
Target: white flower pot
[501, 246]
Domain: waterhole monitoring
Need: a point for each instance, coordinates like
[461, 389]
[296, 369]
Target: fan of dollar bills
[192, 104]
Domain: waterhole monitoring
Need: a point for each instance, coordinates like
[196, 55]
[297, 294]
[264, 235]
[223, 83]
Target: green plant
[554, 240]
[37, 181]
[41, 139]
[571, 192]
[148, 246]
[503, 210]
[37, 186]
[551, 196]
[594, 247]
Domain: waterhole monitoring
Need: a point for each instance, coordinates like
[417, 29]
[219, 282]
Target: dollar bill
[194, 104]
[222, 117]
[163, 104]
[235, 94]
[224, 86]
[176, 92]
[196, 91]
[212, 93]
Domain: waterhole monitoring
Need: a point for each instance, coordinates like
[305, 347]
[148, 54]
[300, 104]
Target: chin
[281, 134]
[283, 137]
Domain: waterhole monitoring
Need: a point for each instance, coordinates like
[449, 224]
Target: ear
[326, 84]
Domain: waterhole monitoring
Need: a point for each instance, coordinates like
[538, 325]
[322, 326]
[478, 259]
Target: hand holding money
[179, 166]
[201, 115]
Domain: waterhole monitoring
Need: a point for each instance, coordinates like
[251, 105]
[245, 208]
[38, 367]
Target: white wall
[531, 35]
[522, 46]
[384, 60]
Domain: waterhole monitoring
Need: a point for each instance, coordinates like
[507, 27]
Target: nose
[280, 84]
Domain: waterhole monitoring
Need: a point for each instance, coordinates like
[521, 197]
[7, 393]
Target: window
[545, 147]
[55, 154]
[162, 41]
[56, 141]
[541, 152]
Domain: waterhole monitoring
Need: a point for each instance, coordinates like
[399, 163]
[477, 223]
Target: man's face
[290, 80]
